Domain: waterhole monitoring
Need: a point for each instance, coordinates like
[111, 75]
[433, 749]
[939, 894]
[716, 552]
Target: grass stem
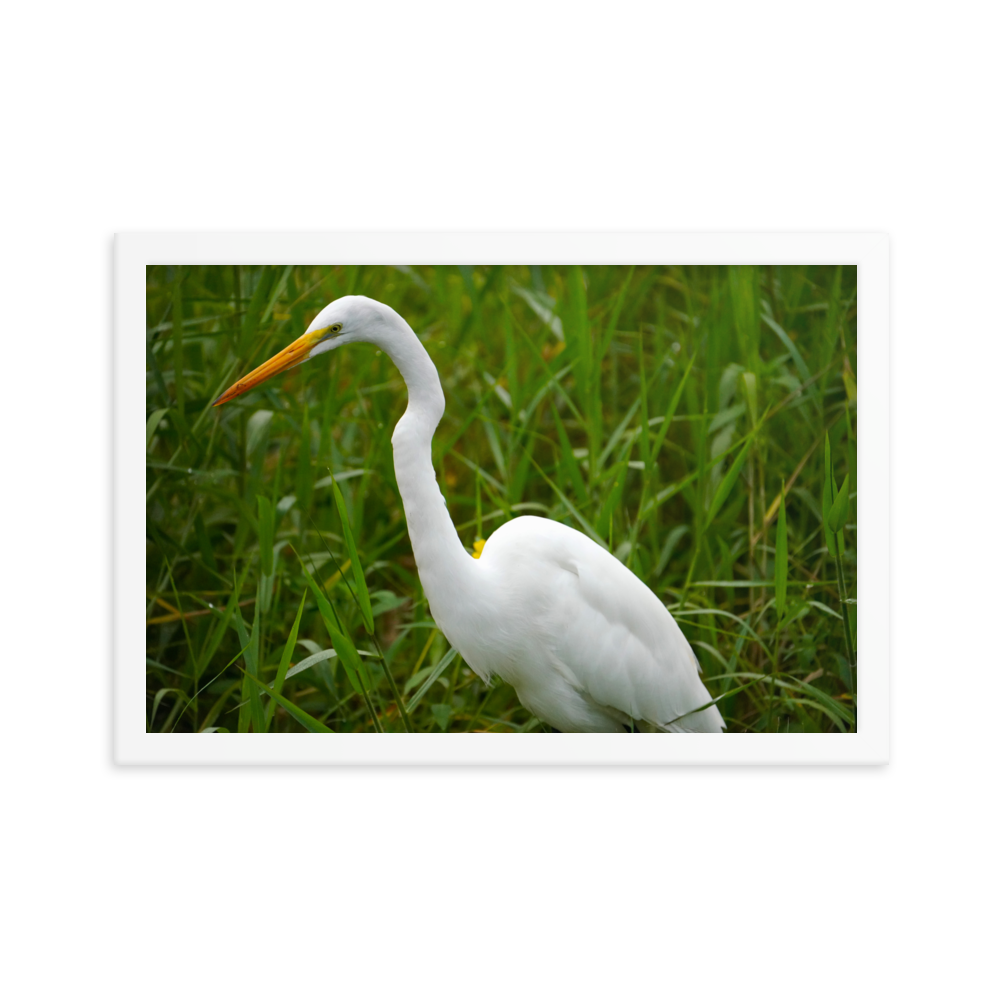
[845, 613]
[401, 704]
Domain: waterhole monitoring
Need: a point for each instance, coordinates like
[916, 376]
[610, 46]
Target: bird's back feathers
[598, 647]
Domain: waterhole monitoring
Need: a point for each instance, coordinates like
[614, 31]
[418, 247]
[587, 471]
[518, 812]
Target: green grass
[657, 409]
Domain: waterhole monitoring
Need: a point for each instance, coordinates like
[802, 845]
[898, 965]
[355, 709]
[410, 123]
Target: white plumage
[585, 643]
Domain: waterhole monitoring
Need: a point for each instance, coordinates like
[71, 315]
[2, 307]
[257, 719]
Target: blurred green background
[658, 409]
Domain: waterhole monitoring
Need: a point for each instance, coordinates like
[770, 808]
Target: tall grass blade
[152, 423]
[800, 366]
[160, 695]
[252, 709]
[749, 381]
[361, 594]
[568, 463]
[668, 415]
[728, 482]
[303, 469]
[431, 678]
[313, 725]
[252, 317]
[614, 499]
[265, 515]
[286, 659]
[781, 559]
[644, 441]
[265, 534]
[840, 508]
[347, 654]
[828, 492]
[215, 638]
[615, 313]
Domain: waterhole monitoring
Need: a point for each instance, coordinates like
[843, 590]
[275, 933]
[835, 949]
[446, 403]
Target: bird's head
[347, 320]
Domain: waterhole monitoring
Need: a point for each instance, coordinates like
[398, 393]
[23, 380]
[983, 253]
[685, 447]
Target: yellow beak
[294, 354]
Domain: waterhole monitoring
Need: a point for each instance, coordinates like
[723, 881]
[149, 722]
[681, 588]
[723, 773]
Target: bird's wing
[603, 625]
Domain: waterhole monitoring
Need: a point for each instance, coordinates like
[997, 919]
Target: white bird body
[602, 648]
[585, 643]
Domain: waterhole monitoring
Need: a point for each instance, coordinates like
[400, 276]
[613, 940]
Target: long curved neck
[444, 566]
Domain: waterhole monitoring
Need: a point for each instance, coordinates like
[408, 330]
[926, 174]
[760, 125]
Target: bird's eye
[336, 328]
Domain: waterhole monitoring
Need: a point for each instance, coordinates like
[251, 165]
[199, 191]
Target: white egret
[587, 646]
